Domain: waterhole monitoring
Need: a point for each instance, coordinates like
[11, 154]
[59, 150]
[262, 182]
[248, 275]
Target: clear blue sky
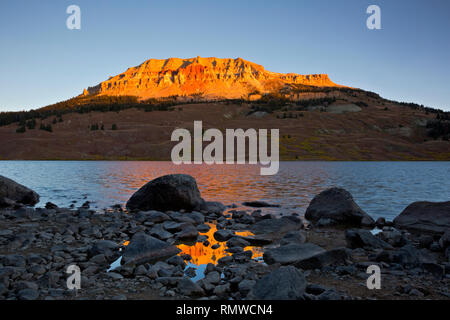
[42, 62]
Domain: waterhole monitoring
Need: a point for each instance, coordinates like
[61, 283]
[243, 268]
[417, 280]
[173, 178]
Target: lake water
[380, 188]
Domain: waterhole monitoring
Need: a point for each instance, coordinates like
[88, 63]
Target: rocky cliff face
[208, 77]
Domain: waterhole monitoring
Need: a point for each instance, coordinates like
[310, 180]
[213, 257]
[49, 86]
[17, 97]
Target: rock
[213, 277]
[330, 294]
[285, 283]
[196, 217]
[225, 260]
[277, 227]
[28, 294]
[425, 241]
[115, 276]
[258, 240]
[291, 253]
[444, 241]
[315, 289]
[237, 242]
[435, 247]
[425, 216]
[380, 223]
[189, 288]
[212, 207]
[407, 255]
[338, 205]
[144, 248]
[190, 272]
[152, 216]
[222, 290]
[98, 259]
[259, 204]
[171, 192]
[223, 235]
[293, 237]
[336, 256]
[105, 247]
[177, 261]
[435, 269]
[189, 232]
[11, 190]
[246, 285]
[159, 232]
[50, 205]
[119, 297]
[26, 285]
[359, 238]
[392, 236]
[203, 228]
[14, 260]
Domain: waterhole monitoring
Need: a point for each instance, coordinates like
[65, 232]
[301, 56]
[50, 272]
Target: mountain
[211, 78]
[132, 116]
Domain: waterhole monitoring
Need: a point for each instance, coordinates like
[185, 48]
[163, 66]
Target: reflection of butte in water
[203, 255]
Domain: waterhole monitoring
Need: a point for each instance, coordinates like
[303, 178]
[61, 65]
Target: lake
[380, 188]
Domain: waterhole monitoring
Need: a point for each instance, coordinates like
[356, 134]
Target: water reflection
[202, 255]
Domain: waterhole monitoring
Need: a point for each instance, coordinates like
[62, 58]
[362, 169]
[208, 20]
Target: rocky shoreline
[135, 253]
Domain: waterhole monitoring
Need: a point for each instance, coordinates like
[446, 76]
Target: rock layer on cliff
[209, 77]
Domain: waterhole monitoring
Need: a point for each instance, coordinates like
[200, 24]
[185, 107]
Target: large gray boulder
[337, 207]
[147, 249]
[291, 253]
[336, 256]
[11, 192]
[285, 283]
[171, 192]
[277, 228]
[433, 217]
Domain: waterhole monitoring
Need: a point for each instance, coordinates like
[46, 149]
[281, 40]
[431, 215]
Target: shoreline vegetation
[268, 102]
[323, 255]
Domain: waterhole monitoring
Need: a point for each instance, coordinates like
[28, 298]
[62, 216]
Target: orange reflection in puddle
[203, 255]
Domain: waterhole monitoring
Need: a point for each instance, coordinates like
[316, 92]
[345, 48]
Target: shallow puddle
[202, 255]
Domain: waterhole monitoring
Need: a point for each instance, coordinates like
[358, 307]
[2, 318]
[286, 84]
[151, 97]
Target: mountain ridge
[212, 78]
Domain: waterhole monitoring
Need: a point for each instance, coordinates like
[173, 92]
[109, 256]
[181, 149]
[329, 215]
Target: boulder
[188, 232]
[212, 207]
[106, 247]
[407, 255]
[291, 253]
[444, 242]
[336, 256]
[151, 216]
[189, 288]
[259, 204]
[392, 236]
[171, 192]
[277, 227]
[337, 205]
[147, 249]
[425, 216]
[360, 238]
[237, 242]
[285, 283]
[294, 237]
[223, 235]
[12, 192]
